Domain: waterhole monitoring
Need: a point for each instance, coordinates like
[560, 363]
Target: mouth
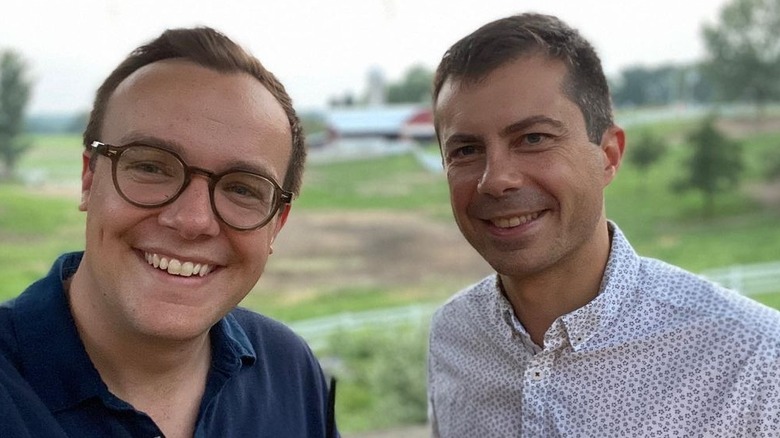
[514, 221]
[173, 266]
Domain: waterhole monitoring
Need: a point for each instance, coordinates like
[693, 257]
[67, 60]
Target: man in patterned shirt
[576, 335]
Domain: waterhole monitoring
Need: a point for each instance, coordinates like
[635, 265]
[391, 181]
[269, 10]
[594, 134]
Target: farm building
[386, 122]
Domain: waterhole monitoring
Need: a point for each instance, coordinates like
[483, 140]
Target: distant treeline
[61, 123]
[640, 86]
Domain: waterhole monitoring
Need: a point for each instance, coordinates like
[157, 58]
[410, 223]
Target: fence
[746, 279]
[318, 331]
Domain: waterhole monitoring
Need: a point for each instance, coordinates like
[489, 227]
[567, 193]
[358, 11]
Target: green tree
[662, 85]
[744, 51]
[714, 165]
[415, 87]
[14, 95]
[648, 149]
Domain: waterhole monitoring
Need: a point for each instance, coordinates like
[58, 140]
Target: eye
[535, 138]
[245, 191]
[147, 167]
[464, 151]
[147, 171]
[241, 190]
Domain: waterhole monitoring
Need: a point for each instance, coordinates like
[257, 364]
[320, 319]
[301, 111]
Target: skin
[527, 186]
[147, 330]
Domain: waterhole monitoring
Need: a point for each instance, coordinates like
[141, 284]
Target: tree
[744, 51]
[662, 85]
[648, 149]
[415, 87]
[14, 95]
[714, 165]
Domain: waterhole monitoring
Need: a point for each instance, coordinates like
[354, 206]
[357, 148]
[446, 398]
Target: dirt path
[329, 251]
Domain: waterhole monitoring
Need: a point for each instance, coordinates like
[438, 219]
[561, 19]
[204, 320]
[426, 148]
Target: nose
[191, 213]
[501, 175]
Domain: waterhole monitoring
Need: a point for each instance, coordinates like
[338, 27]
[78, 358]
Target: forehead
[525, 87]
[209, 113]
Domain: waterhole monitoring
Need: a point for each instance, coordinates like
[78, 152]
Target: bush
[382, 377]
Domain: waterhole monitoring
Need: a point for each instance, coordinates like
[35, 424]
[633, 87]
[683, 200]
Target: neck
[162, 377]
[541, 298]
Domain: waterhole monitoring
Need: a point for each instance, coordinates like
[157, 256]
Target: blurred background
[371, 248]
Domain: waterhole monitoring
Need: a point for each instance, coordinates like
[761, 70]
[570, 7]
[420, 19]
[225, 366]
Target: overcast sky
[322, 48]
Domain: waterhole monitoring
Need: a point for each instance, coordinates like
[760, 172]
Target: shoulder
[8, 343]
[700, 299]
[40, 311]
[23, 413]
[469, 316]
[474, 298]
[468, 304]
[271, 338]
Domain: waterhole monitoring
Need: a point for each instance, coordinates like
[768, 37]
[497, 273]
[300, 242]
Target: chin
[175, 325]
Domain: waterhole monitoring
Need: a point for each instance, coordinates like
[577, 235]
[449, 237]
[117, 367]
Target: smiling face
[526, 184]
[134, 275]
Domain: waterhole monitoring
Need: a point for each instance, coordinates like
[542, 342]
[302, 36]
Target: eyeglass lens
[150, 177]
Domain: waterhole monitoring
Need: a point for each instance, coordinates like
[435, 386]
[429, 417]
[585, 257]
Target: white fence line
[753, 279]
[746, 279]
[318, 331]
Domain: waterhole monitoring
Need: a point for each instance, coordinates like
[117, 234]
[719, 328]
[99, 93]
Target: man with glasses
[193, 156]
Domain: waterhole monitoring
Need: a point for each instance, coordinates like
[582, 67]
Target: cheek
[252, 248]
[460, 191]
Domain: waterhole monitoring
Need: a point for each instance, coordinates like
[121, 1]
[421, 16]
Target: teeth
[177, 267]
[509, 222]
[187, 268]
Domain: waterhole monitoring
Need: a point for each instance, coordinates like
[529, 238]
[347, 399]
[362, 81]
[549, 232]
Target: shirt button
[536, 375]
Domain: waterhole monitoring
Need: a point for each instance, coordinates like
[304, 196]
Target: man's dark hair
[211, 49]
[505, 40]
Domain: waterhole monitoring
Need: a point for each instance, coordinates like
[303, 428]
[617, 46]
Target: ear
[86, 180]
[281, 220]
[613, 143]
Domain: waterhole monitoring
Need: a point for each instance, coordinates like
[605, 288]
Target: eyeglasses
[150, 177]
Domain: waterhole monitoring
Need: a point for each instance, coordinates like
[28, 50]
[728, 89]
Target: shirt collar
[231, 343]
[584, 324]
[54, 359]
[581, 325]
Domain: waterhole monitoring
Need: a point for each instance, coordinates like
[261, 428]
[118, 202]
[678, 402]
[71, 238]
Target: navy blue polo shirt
[263, 382]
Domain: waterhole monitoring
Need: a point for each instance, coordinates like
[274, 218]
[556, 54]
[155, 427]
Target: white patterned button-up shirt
[660, 352]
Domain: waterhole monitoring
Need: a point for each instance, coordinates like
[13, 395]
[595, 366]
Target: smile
[177, 267]
[513, 221]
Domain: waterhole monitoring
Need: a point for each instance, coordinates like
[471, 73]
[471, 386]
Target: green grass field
[36, 225]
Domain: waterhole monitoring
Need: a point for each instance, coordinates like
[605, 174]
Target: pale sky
[321, 48]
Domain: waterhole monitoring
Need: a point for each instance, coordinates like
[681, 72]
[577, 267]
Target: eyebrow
[519, 126]
[524, 124]
[459, 138]
[174, 146]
